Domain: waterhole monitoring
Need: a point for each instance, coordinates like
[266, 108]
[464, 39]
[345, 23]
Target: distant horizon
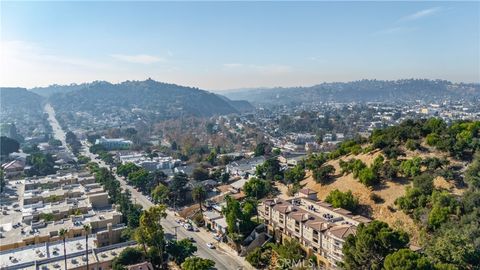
[236, 89]
[236, 45]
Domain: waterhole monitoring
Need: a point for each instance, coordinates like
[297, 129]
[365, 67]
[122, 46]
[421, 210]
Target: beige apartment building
[319, 227]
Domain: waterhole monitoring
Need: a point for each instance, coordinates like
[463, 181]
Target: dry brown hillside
[389, 191]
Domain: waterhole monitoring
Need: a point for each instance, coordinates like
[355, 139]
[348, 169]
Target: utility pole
[175, 227]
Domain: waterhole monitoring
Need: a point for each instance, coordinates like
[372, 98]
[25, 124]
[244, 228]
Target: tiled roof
[342, 231]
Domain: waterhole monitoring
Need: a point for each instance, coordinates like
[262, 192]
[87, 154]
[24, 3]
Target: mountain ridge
[163, 99]
[362, 91]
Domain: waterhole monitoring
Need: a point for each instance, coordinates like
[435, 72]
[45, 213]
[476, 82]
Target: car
[191, 239]
[195, 229]
[210, 245]
[218, 238]
[187, 226]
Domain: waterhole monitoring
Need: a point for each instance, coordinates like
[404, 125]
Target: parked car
[218, 238]
[210, 245]
[195, 229]
[187, 226]
[191, 239]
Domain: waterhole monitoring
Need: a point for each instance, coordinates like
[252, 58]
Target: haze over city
[225, 45]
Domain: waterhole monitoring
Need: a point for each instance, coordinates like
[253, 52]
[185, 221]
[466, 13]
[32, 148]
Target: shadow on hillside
[399, 180]
[365, 210]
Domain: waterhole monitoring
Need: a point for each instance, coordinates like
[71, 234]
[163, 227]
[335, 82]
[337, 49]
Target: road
[223, 256]
[58, 132]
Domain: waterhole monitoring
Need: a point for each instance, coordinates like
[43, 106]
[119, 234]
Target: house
[210, 217]
[188, 169]
[244, 167]
[13, 168]
[220, 225]
[237, 186]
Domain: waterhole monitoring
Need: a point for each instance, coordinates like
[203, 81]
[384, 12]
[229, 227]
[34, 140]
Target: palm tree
[63, 234]
[86, 228]
[199, 194]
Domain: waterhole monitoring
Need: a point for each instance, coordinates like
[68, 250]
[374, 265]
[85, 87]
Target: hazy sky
[220, 45]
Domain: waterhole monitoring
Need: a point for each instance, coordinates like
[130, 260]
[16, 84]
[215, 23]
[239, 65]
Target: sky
[230, 45]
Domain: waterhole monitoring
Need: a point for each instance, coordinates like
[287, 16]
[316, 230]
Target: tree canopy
[372, 243]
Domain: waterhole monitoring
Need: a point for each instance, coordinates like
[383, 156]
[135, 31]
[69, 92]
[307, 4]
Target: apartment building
[37, 208]
[50, 255]
[114, 144]
[319, 227]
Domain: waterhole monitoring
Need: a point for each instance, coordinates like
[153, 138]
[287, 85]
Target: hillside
[158, 100]
[422, 177]
[22, 108]
[390, 190]
[54, 89]
[17, 98]
[361, 91]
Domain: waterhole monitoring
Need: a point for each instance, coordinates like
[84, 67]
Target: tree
[87, 228]
[8, 145]
[41, 164]
[472, 175]
[83, 159]
[127, 168]
[177, 186]
[269, 169]
[128, 256]
[63, 234]
[199, 195]
[150, 233]
[411, 167]
[260, 149]
[405, 259]
[456, 244]
[140, 178]
[412, 145]
[323, 174]
[258, 258]
[314, 161]
[295, 174]
[200, 174]
[180, 250]
[344, 200]
[256, 188]
[372, 243]
[225, 177]
[290, 251]
[160, 194]
[368, 177]
[197, 263]
[212, 158]
[2, 180]
[238, 218]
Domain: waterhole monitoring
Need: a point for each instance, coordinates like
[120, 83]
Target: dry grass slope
[389, 191]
